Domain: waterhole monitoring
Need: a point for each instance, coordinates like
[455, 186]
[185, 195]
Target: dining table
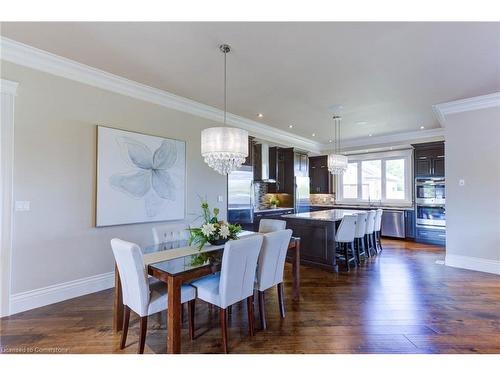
[175, 263]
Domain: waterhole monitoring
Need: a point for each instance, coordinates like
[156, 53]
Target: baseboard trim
[472, 263]
[32, 299]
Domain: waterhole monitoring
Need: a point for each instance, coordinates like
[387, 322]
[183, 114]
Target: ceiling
[386, 76]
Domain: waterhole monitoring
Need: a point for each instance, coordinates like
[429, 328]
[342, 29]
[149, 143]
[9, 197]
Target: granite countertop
[327, 215]
[362, 207]
[272, 209]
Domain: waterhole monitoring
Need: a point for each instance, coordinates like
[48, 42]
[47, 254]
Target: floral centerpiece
[213, 230]
[274, 201]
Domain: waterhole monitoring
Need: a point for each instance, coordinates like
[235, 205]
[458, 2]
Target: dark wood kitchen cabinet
[320, 179]
[429, 159]
[281, 169]
[249, 158]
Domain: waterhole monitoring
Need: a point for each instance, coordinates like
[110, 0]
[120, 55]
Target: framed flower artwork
[140, 178]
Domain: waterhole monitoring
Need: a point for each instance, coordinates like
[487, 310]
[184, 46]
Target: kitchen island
[317, 233]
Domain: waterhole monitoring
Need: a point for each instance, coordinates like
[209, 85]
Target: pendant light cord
[225, 85]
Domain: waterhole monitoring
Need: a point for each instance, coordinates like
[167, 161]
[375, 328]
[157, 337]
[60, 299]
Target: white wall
[55, 168]
[473, 210]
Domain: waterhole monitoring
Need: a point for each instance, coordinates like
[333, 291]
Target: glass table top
[184, 263]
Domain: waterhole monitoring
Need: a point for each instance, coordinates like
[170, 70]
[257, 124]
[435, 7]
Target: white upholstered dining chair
[370, 229]
[344, 237]
[271, 225]
[270, 269]
[234, 282]
[377, 230]
[359, 235]
[145, 296]
[170, 233]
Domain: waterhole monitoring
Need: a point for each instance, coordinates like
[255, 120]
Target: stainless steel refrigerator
[302, 202]
[240, 197]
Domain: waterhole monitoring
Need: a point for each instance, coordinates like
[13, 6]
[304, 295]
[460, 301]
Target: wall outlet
[461, 182]
[220, 199]
[22, 205]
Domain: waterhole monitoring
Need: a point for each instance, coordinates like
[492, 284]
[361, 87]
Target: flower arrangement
[274, 201]
[213, 230]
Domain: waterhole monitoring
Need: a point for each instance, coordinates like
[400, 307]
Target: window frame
[405, 154]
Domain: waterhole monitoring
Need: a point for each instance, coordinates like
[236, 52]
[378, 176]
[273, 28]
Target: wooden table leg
[174, 315]
[118, 303]
[296, 272]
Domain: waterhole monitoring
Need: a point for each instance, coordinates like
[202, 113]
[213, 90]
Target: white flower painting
[140, 178]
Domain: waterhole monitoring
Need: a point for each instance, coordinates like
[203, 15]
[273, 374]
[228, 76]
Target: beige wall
[54, 169]
[473, 210]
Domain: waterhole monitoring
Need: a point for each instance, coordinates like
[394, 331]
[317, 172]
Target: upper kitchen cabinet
[429, 159]
[249, 158]
[319, 176]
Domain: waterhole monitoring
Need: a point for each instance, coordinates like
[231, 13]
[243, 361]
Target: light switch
[22, 205]
[220, 198]
[461, 182]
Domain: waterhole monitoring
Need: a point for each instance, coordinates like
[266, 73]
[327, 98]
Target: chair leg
[281, 300]
[126, 319]
[250, 315]
[262, 310]
[346, 256]
[356, 257]
[142, 338]
[357, 245]
[223, 327]
[191, 310]
[380, 241]
[362, 243]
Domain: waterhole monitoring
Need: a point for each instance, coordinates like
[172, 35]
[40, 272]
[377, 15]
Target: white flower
[208, 229]
[224, 231]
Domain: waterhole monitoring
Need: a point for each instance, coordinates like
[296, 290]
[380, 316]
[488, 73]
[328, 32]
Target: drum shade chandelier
[337, 163]
[223, 148]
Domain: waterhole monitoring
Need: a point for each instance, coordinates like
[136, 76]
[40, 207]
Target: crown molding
[464, 105]
[31, 57]
[8, 87]
[396, 139]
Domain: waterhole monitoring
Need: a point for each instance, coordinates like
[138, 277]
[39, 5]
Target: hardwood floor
[398, 302]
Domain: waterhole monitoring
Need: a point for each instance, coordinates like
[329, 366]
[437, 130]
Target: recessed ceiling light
[290, 126]
[260, 115]
[314, 134]
[422, 127]
[369, 135]
[330, 141]
[362, 122]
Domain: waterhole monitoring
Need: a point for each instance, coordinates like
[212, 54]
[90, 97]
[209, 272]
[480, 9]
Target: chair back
[347, 228]
[170, 233]
[271, 225]
[370, 222]
[378, 220]
[272, 257]
[130, 263]
[237, 274]
[361, 225]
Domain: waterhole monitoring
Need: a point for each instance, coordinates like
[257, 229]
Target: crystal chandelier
[224, 149]
[337, 163]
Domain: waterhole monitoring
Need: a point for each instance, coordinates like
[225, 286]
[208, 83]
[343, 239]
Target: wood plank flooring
[398, 302]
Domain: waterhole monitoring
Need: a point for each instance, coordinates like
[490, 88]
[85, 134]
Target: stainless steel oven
[430, 191]
[431, 216]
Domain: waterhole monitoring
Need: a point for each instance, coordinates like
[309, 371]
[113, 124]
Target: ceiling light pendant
[337, 163]
[223, 148]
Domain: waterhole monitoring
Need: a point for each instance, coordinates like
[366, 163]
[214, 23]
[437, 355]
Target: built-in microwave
[430, 191]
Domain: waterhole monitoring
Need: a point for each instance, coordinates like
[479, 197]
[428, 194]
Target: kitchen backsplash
[261, 197]
[322, 198]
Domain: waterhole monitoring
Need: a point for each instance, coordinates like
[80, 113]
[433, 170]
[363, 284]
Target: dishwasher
[393, 223]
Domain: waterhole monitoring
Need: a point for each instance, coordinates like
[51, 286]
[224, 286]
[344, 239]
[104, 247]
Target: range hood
[262, 163]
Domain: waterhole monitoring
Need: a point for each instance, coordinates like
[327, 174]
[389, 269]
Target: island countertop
[326, 215]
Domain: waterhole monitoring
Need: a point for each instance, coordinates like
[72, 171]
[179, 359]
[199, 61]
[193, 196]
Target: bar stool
[377, 229]
[359, 235]
[370, 229]
[345, 236]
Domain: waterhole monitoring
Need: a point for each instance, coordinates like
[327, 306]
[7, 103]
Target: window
[350, 182]
[382, 177]
[371, 180]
